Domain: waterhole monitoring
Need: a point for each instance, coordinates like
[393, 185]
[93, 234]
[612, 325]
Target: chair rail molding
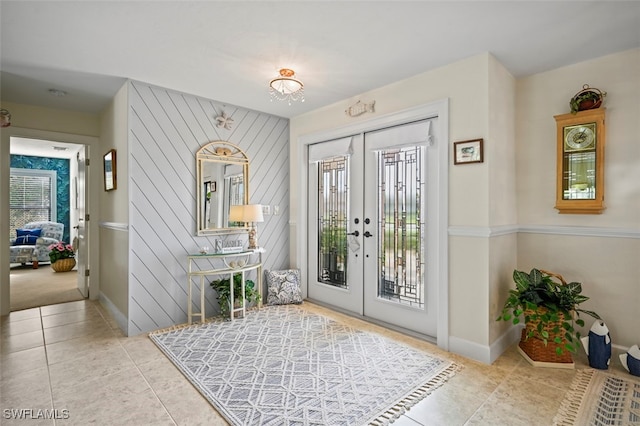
[575, 231]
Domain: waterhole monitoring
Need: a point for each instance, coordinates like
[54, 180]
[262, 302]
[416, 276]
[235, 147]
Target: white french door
[371, 249]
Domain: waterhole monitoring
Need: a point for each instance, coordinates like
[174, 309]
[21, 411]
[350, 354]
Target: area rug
[283, 365]
[597, 398]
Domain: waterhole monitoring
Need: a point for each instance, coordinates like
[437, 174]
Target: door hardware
[368, 234]
[356, 221]
[367, 221]
[354, 233]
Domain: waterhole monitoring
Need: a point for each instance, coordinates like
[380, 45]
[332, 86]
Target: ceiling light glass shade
[286, 87]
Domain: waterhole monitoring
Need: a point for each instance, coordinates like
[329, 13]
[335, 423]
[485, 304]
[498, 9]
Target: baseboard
[504, 342]
[484, 353]
[120, 318]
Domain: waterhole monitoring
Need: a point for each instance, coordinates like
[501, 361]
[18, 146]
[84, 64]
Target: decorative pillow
[283, 287]
[27, 237]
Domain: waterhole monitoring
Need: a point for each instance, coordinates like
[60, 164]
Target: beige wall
[114, 267]
[114, 211]
[52, 120]
[601, 251]
[114, 126]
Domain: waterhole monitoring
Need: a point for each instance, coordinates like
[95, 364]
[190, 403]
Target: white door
[371, 250]
[335, 218]
[82, 252]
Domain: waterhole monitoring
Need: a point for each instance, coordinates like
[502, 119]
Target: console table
[230, 264]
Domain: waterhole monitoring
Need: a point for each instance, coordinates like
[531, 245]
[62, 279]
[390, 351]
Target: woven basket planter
[534, 346]
[63, 265]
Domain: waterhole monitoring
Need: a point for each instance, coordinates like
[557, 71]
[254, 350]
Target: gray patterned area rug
[597, 398]
[283, 365]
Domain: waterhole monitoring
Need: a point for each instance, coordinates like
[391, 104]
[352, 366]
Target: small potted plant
[223, 289]
[550, 309]
[587, 98]
[62, 257]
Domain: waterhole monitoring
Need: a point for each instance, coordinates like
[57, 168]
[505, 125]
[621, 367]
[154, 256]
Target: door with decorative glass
[371, 251]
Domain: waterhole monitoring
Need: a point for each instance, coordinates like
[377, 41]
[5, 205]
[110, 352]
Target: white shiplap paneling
[166, 128]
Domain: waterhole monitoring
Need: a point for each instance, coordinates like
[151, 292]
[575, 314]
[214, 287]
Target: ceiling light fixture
[286, 87]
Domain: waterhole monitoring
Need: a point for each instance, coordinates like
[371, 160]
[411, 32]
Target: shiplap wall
[166, 128]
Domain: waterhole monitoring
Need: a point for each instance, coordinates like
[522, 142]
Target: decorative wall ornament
[5, 118]
[360, 108]
[224, 121]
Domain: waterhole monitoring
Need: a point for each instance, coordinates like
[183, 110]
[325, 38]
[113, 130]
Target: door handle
[354, 233]
[368, 234]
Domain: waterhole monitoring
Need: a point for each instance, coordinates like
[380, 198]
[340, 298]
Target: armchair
[51, 234]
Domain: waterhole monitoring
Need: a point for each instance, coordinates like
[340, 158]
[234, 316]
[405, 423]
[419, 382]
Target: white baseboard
[120, 318]
[484, 353]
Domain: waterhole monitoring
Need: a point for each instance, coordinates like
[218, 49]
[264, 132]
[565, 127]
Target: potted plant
[62, 257]
[550, 310]
[223, 289]
[587, 98]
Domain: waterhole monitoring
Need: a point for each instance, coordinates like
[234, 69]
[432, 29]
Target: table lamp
[252, 214]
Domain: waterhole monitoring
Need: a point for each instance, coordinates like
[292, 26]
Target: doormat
[284, 365]
[597, 398]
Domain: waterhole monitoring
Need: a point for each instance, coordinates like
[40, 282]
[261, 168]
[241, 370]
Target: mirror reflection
[222, 182]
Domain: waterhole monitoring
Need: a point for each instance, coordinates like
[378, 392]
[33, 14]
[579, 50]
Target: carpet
[282, 365]
[31, 288]
[597, 398]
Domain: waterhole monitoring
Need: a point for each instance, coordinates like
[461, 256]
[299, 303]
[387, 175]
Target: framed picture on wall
[470, 151]
[110, 181]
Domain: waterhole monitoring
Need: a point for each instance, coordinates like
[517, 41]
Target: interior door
[370, 251]
[82, 251]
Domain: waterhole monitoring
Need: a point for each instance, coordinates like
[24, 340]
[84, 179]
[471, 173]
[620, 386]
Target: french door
[371, 250]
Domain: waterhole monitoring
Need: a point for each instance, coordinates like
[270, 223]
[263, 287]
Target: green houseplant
[60, 250]
[223, 289]
[587, 98]
[62, 257]
[550, 308]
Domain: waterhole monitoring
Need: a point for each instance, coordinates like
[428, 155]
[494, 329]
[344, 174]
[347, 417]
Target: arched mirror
[223, 181]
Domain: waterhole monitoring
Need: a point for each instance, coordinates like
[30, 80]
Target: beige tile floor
[73, 358]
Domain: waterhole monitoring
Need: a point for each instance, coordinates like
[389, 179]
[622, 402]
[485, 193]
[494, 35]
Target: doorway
[65, 162]
[374, 242]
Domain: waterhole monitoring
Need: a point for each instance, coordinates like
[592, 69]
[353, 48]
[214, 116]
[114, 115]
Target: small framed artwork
[110, 181]
[468, 152]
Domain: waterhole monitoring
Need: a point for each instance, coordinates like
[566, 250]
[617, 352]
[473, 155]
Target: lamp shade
[236, 213]
[253, 213]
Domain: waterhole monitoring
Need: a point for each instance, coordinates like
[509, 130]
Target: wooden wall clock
[580, 162]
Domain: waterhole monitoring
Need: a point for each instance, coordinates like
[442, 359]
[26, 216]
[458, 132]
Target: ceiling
[229, 50]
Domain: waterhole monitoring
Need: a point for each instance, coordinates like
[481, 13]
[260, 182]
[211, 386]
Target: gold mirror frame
[213, 192]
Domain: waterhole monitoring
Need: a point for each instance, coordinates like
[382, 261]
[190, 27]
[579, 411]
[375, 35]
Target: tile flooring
[72, 360]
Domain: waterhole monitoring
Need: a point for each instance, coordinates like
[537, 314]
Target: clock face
[580, 137]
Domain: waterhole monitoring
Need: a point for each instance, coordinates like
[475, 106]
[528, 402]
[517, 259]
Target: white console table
[231, 264]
